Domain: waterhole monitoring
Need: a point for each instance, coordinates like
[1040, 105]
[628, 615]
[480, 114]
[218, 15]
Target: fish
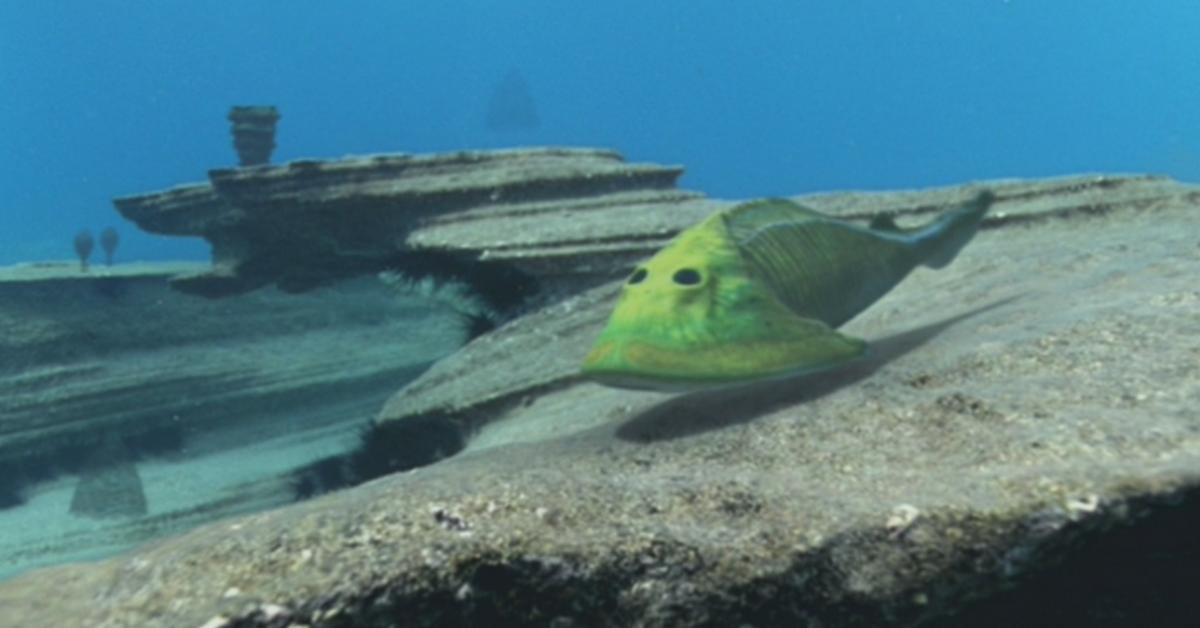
[757, 291]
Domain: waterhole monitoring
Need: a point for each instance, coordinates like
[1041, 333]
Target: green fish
[756, 291]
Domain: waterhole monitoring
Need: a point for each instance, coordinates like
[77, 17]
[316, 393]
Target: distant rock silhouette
[512, 107]
[108, 241]
[84, 243]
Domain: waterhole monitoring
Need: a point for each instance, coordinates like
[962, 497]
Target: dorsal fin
[814, 263]
[748, 219]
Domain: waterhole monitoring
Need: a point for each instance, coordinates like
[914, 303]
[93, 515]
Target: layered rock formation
[503, 220]
[111, 368]
[1033, 404]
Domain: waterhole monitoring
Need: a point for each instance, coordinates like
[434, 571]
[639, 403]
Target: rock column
[254, 133]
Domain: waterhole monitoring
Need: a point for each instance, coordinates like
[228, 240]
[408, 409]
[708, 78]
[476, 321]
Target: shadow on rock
[702, 411]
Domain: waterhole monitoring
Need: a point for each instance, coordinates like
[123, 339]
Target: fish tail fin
[941, 241]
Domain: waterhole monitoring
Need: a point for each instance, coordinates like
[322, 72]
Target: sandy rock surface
[1019, 406]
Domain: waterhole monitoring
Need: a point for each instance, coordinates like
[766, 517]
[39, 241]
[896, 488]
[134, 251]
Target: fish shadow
[698, 412]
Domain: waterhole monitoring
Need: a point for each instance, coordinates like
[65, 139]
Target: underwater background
[112, 97]
[145, 398]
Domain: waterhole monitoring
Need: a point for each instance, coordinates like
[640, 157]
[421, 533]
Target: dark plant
[108, 241]
[387, 447]
[476, 323]
[84, 243]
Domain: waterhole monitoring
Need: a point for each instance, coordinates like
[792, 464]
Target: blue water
[101, 98]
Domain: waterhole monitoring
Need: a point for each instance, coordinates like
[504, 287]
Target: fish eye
[638, 276]
[686, 277]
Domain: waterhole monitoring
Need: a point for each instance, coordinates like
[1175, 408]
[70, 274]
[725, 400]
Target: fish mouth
[626, 381]
[618, 365]
[640, 363]
[629, 377]
[645, 366]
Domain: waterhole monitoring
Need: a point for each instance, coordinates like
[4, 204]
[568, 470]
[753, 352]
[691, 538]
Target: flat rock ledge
[500, 219]
[1027, 410]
